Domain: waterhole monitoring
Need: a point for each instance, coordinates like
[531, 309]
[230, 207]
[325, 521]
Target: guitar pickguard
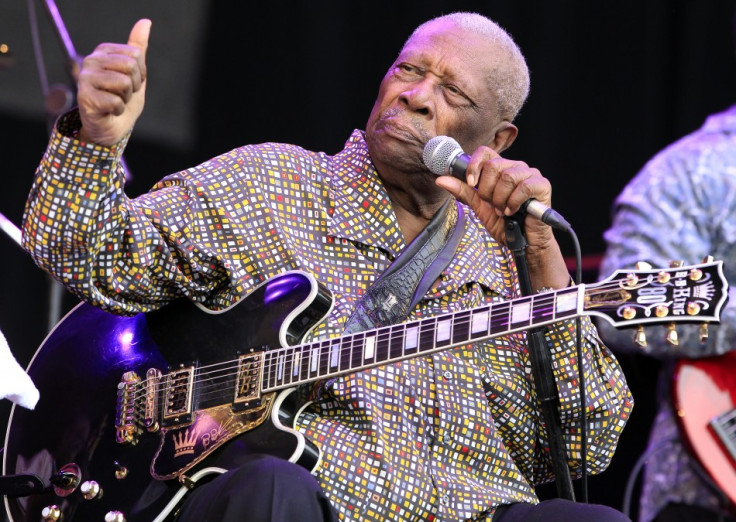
[186, 446]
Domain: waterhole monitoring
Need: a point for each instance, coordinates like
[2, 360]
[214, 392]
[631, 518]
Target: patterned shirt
[681, 206]
[448, 436]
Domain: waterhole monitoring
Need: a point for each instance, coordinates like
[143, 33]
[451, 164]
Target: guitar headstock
[648, 296]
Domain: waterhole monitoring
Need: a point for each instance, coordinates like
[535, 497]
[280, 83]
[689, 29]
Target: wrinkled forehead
[457, 51]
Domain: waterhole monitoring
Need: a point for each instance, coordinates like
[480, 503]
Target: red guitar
[705, 402]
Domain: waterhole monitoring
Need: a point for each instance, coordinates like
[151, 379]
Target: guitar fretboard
[293, 365]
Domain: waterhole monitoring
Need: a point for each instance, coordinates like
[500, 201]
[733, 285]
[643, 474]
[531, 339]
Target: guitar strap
[403, 284]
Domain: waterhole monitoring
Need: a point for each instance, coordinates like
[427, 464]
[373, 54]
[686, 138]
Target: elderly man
[450, 436]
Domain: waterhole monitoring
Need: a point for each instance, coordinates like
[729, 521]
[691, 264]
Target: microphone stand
[541, 365]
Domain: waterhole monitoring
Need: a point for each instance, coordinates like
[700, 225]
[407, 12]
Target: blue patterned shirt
[681, 206]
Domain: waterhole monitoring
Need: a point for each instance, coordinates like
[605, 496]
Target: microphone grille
[439, 153]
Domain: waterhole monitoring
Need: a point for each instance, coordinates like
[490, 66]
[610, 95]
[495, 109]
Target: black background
[612, 83]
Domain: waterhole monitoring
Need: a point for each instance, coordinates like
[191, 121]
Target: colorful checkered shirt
[443, 437]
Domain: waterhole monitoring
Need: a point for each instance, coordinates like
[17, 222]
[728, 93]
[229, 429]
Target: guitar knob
[90, 490]
[643, 265]
[120, 471]
[703, 333]
[671, 336]
[640, 338]
[66, 480]
[114, 516]
[52, 513]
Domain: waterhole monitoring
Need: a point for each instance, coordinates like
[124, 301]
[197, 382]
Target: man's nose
[419, 97]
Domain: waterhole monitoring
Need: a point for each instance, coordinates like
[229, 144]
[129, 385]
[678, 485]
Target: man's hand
[112, 87]
[502, 186]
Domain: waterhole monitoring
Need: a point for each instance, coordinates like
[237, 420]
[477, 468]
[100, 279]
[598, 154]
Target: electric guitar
[142, 408]
[705, 403]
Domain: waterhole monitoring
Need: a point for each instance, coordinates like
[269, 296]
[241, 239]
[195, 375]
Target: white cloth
[15, 384]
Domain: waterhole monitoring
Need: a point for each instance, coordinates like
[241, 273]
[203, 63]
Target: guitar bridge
[127, 429]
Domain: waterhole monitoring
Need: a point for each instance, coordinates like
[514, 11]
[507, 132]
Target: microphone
[444, 156]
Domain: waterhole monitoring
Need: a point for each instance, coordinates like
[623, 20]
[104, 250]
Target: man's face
[438, 85]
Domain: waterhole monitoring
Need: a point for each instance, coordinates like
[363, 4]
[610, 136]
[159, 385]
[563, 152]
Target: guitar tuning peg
[703, 333]
[640, 338]
[708, 259]
[671, 336]
[677, 264]
[643, 265]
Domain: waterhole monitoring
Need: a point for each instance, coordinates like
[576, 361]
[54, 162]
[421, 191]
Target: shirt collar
[361, 211]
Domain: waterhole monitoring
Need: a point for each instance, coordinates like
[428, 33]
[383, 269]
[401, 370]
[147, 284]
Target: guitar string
[206, 376]
[284, 357]
[382, 334]
[291, 352]
[209, 384]
[207, 379]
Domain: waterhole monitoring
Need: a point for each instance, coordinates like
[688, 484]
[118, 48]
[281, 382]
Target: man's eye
[452, 89]
[407, 69]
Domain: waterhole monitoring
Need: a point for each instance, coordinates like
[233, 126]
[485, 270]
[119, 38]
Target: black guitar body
[77, 370]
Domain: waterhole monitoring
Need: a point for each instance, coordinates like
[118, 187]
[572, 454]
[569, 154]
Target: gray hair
[510, 78]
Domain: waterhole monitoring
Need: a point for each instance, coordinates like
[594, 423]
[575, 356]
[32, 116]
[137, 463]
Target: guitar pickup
[177, 396]
[248, 382]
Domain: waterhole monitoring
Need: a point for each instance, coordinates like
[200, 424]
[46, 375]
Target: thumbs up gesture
[112, 86]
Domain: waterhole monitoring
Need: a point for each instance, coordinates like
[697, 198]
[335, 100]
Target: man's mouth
[392, 125]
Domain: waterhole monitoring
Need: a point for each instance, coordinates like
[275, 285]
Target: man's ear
[504, 136]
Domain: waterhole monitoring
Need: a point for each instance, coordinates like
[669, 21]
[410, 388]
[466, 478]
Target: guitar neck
[294, 365]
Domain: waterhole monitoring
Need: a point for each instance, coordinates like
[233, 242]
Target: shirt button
[447, 374]
[445, 499]
[446, 439]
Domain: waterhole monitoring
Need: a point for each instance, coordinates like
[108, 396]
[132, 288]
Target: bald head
[509, 80]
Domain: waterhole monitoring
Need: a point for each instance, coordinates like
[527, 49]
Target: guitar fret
[280, 367]
[295, 364]
[334, 356]
[354, 356]
[500, 321]
[480, 323]
[566, 303]
[409, 342]
[544, 308]
[383, 346]
[401, 341]
[369, 350]
[443, 331]
[268, 375]
[347, 349]
[305, 362]
[427, 336]
[461, 328]
[521, 312]
[314, 359]
[324, 357]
